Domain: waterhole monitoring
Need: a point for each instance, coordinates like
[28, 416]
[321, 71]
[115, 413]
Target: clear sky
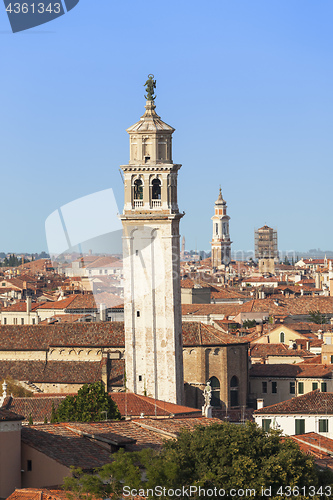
[246, 84]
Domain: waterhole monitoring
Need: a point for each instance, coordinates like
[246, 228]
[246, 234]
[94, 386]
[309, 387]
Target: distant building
[221, 244]
[266, 250]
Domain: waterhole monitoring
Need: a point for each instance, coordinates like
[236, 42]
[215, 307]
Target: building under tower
[220, 244]
[151, 251]
[266, 249]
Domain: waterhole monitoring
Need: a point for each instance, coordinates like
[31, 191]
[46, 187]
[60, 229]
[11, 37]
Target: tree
[317, 317]
[249, 323]
[91, 404]
[223, 456]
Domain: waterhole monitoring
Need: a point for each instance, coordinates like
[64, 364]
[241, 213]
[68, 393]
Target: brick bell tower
[153, 324]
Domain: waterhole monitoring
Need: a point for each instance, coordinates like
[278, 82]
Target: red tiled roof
[131, 404]
[9, 416]
[264, 350]
[300, 370]
[195, 333]
[41, 494]
[313, 403]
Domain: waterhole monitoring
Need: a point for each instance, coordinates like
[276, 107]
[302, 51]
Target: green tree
[317, 317]
[91, 404]
[223, 455]
[30, 421]
[249, 323]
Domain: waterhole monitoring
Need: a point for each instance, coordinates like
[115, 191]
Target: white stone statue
[207, 394]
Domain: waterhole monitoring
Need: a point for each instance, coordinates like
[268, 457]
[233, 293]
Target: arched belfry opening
[156, 189]
[138, 190]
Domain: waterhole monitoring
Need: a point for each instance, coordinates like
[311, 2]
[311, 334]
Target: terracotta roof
[20, 307]
[195, 333]
[41, 337]
[104, 262]
[9, 416]
[131, 404]
[64, 446]
[55, 372]
[264, 350]
[314, 403]
[290, 306]
[39, 494]
[206, 309]
[300, 370]
[38, 408]
[317, 445]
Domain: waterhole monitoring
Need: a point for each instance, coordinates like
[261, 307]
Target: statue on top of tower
[151, 85]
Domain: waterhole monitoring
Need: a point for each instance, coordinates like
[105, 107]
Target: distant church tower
[221, 244]
[153, 323]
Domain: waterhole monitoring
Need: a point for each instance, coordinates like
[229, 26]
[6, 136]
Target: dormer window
[156, 189]
[138, 189]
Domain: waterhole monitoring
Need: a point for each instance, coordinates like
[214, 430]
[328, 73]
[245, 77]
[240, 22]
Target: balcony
[156, 203]
[138, 203]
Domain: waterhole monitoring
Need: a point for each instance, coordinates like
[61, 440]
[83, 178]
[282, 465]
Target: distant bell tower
[221, 244]
[153, 325]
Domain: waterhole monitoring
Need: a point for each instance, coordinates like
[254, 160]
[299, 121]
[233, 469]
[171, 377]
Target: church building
[151, 252]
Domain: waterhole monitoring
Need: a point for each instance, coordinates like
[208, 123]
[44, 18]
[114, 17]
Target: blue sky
[246, 84]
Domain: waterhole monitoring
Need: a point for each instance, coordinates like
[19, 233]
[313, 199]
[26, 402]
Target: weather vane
[150, 86]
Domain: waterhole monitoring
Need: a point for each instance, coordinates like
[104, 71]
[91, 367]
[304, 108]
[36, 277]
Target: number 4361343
[32, 8]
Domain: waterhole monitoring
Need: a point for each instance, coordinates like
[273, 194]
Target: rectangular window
[140, 378]
[331, 359]
[33, 321]
[22, 321]
[299, 426]
[5, 321]
[266, 423]
[138, 314]
[300, 387]
[274, 387]
[29, 465]
[314, 386]
[292, 387]
[323, 387]
[323, 425]
[264, 387]
[15, 321]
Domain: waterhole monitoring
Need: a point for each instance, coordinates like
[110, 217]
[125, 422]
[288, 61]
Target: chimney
[28, 301]
[102, 312]
[260, 403]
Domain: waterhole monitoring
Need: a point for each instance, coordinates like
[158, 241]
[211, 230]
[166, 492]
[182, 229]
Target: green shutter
[323, 387]
[300, 387]
[266, 423]
[314, 386]
[300, 426]
[323, 425]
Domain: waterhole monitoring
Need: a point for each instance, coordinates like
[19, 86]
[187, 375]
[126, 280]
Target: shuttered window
[299, 426]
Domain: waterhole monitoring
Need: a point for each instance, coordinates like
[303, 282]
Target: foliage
[30, 421]
[249, 323]
[15, 389]
[224, 456]
[91, 404]
[317, 317]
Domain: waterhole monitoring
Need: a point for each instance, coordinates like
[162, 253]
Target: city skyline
[246, 86]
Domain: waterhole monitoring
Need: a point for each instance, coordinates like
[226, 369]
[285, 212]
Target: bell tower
[221, 244]
[153, 325]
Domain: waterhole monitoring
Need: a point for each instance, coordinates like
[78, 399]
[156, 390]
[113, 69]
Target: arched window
[138, 189]
[156, 189]
[282, 337]
[234, 391]
[216, 228]
[215, 385]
